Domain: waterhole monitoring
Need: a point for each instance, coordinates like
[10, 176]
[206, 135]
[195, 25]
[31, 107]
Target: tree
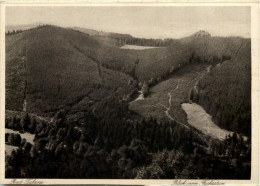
[61, 134]
[6, 123]
[18, 139]
[32, 126]
[9, 170]
[11, 138]
[27, 146]
[69, 137]
[15, 124]
[145, 89]
[152, 171]
[26, 122]
[14, 139]
[23, 142]
[99, 142]
[6, 137]
[33, 151]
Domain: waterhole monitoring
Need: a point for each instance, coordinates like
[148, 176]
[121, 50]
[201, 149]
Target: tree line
[26, 124]
[22, 30]
[122, 40]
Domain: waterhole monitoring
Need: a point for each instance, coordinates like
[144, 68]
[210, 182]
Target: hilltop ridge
[201, 33]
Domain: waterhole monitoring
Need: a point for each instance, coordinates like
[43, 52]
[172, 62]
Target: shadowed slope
[57, 65]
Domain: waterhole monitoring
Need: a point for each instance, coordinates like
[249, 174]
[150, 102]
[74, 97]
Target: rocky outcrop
[201, 33]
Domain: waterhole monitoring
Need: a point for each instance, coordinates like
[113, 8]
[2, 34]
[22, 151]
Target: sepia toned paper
[156, 20]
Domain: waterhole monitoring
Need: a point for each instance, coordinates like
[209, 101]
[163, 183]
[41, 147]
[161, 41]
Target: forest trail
[41, 118]
[168, 108]
[170, 104]
[195, 87]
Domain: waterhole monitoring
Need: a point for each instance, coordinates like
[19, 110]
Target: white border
[255, 90]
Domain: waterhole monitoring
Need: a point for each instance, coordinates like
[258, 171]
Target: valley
[170, 94]
[179, 107]
[107, 105]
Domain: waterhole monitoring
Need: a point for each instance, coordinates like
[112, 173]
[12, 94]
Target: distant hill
[92, 32]
[11, 28]
[162, 61]
[113, 39]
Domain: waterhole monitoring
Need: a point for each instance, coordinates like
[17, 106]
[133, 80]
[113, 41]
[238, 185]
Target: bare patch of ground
[29, 137]
[9, 149]
[178, 86]
[198, 118]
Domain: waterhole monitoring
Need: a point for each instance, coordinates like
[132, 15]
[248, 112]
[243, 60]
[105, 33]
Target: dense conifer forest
[139, 149]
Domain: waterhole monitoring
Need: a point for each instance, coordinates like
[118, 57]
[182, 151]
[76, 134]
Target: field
[9, 149]
[198, 118]
[29, 138]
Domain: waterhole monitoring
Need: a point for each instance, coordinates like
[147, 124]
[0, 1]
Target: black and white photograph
[127, 92]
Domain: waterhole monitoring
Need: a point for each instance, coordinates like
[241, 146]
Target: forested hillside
[59, 67]
[76, 91]
[226, 91]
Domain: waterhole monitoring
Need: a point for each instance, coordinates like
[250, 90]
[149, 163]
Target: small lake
[137, 47]
[198, 118]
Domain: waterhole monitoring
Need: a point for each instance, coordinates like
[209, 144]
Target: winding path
[169, 107]
[170, 103]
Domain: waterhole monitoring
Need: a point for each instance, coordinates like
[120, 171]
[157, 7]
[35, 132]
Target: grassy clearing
[198, 118]
[29, 137]
[179, 85]
[9, 149]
